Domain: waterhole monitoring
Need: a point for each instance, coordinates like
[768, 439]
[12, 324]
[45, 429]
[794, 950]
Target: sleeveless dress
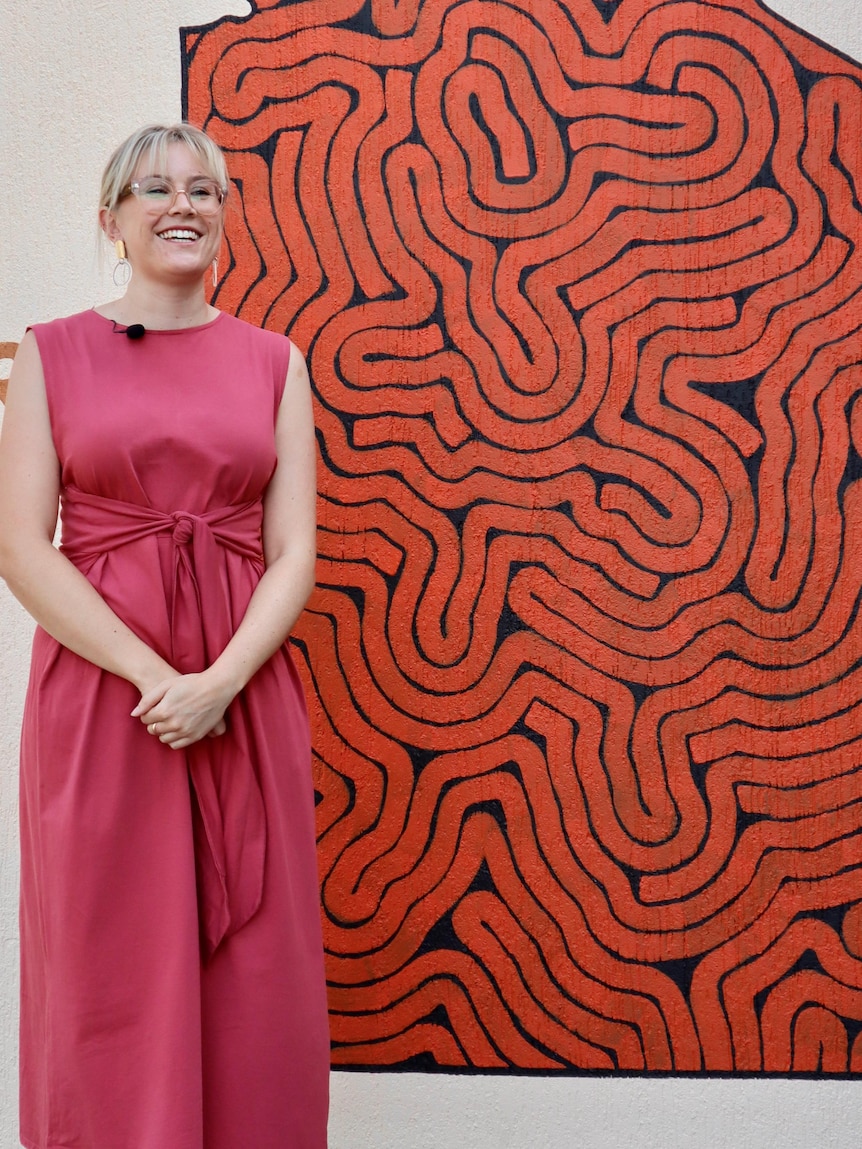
[172, 982]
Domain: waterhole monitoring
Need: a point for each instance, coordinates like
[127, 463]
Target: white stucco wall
[75, 78]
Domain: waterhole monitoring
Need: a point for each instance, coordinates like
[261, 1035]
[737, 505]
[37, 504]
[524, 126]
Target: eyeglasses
[155, 193]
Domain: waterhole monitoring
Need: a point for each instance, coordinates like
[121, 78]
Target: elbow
[21, 555]
[9, 553]
[297, 568]
[304, 579]
[310, 580]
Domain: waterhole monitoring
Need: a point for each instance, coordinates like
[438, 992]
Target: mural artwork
[579, 284]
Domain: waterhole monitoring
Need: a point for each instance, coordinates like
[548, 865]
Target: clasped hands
[183, 709]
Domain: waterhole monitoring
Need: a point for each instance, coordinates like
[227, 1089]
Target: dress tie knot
[228, 815]
[184, 528]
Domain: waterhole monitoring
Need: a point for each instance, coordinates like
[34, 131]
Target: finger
[160, 712]
[151, 699]
[150, 716]
[177, 741]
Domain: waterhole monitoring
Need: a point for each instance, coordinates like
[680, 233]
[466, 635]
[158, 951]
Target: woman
[172, 966]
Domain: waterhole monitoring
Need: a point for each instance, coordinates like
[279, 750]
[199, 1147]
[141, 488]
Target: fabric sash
[229, 818]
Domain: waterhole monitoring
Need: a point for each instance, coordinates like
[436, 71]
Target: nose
[175, 202]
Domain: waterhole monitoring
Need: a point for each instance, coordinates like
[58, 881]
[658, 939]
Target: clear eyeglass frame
[155, 193]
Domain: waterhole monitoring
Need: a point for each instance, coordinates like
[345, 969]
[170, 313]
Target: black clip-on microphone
[133, 331]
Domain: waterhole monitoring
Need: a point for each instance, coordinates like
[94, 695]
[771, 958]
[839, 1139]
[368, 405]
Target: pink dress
[172, 983]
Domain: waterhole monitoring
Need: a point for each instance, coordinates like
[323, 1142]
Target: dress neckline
[161, 330]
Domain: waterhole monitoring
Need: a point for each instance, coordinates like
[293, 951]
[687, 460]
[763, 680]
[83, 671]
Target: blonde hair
[151, 143]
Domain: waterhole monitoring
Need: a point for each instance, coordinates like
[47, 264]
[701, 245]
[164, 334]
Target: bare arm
[50, 587]
[185, 709]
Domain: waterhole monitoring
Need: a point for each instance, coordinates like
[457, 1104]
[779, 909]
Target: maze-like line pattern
[580, 288]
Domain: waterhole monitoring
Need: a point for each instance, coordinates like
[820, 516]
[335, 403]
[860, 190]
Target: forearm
[289, 542]
[70, 609]
[43, 580]
[273, 609]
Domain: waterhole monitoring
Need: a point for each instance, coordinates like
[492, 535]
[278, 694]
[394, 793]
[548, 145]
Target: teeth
[178, 233]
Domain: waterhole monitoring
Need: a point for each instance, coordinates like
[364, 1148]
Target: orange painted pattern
[579, 284]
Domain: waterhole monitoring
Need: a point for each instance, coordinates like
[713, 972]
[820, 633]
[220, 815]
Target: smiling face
[172, 242]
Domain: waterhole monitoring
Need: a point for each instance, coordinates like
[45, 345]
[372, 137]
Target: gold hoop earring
[123, 270]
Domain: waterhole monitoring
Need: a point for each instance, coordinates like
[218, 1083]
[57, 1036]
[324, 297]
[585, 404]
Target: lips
[179, 235]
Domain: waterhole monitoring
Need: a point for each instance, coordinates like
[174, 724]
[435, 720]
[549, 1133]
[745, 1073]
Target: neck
[161, 308]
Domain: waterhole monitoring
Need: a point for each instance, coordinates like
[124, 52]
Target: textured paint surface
[579, 286]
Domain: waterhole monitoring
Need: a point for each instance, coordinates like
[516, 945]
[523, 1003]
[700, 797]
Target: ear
[109, 225]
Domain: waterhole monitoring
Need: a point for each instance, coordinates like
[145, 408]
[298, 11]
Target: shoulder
[69, 331]
[265, 354]
[261, 345]
[80, 321]
[263, 338]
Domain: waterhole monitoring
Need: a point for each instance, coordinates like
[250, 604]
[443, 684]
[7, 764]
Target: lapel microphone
[133, 331]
